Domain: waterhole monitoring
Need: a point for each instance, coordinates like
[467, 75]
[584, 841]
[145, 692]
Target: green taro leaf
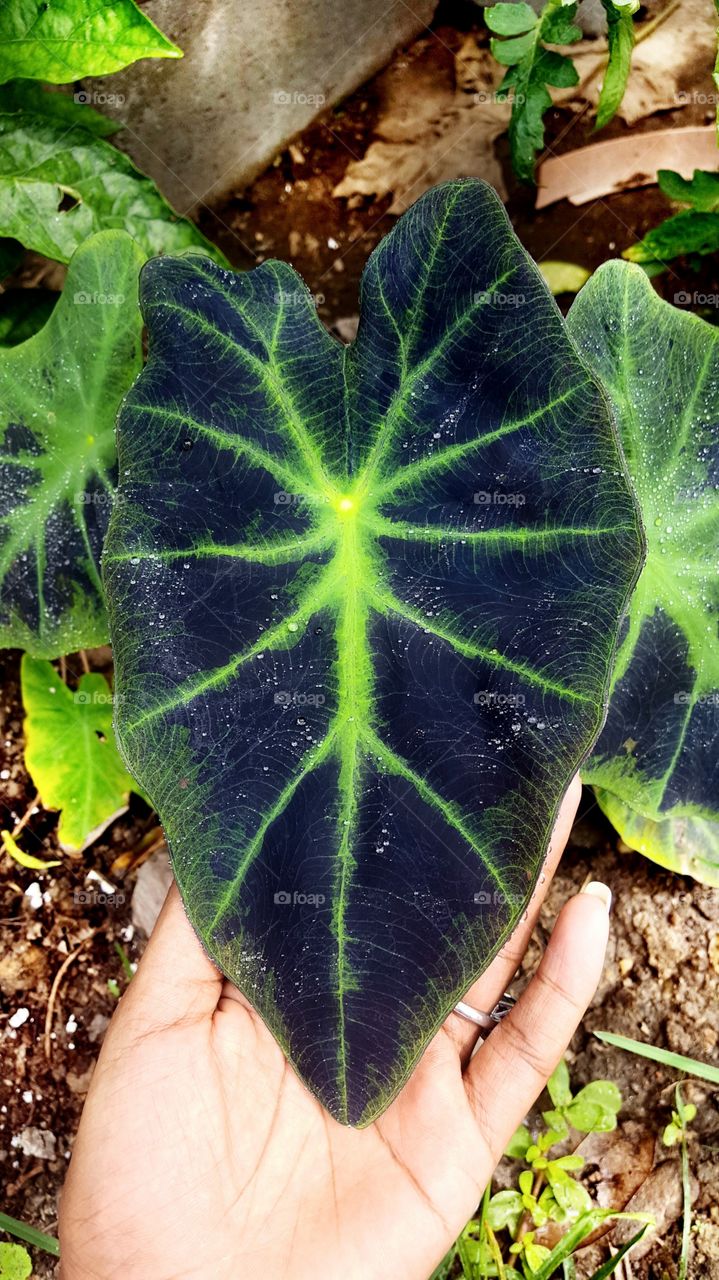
[23, 312]
[689, 846]
[59, 184]
[659, 752]
[364, 603]
[11, 255]
[68, 39]
[70, 751]
[59, 392]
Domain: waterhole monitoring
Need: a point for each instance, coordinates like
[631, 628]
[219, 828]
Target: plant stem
[525, 1221]
[686, 1191]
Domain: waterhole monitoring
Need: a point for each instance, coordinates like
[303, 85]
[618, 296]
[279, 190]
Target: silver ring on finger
[485, 1021]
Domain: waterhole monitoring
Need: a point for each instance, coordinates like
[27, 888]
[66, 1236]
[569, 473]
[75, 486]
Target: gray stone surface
[153, 880]
[253, 76]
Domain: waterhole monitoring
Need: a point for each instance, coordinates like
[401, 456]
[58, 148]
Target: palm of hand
[214, 1140]
[201, 1154]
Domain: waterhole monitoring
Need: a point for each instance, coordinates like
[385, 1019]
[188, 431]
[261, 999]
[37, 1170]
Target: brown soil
[661, 980]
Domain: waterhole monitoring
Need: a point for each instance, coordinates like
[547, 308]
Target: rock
[660, 1195]
[153, 880]
[346, 327]
[22, 968]
[80, 1083]
[97, 1028]
[40, 1143]
[251, 79]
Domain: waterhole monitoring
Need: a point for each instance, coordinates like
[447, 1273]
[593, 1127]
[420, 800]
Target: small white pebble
[27, 1095]
[33, 893]
[332, 243]
[19, 1017]
[4, 774]
[71, 1024]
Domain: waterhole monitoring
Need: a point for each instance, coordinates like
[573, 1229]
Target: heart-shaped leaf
[659, 753]
[70, 751]
[69, 39]
[364, 602]
[60, 184]
[59, 394]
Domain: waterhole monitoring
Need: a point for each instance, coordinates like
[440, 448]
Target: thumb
[513, 1065]
[176, 982]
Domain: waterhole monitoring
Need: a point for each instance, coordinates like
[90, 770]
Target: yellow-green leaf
[69, 39]
[70, 751]
[25, 859]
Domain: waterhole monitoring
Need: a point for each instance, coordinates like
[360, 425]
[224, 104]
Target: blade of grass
[22, 1231]
[125, 961]
[690, 1066]
[609, 1267]
[467, 1265]
[582, 1228]
[494, 1250]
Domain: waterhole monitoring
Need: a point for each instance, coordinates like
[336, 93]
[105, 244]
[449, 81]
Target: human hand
[201, 1155]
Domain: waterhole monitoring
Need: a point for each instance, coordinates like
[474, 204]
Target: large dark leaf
[364, 603]
[656, 765]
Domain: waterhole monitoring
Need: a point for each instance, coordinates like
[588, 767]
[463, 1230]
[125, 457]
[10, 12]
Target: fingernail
[597, 889]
